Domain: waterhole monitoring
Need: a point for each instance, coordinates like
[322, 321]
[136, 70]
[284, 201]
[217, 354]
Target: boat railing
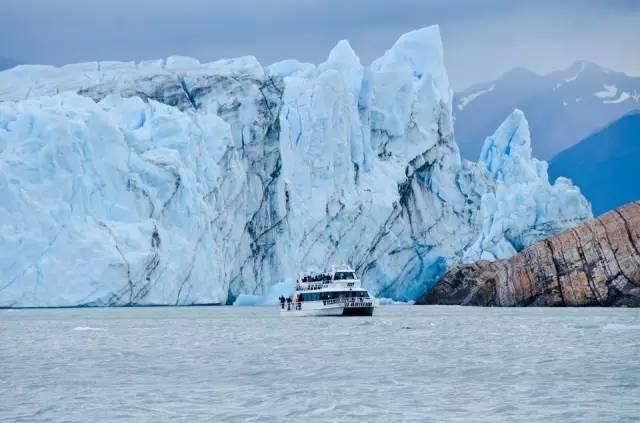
[311, 286]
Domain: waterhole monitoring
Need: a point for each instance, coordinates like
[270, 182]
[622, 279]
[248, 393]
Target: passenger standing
[289, 303]
[281, 299]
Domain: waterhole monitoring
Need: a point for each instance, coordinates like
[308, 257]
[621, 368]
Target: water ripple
[229, 364]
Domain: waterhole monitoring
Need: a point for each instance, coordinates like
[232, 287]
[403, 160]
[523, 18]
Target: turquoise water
[407, 363]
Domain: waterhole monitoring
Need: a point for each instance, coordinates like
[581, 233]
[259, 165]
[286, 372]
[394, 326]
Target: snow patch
[466, 100]
[610, 95]
[571, 79]
[624, 96]
[567, 80]
[609, 91]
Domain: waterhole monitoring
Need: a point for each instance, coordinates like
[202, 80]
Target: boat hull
[330, 310]
[357, 311]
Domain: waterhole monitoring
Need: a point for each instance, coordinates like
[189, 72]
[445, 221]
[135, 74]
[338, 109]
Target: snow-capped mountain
[176, 182]
[562, 107]
[605, 164]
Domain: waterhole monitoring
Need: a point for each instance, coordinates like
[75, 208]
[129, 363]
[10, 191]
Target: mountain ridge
[604, 163]
[563, 106]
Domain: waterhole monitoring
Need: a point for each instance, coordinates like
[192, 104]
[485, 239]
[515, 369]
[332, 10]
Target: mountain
[604, 165]
[594, 264]
[176, 182]
[6, 63]
[562, 107]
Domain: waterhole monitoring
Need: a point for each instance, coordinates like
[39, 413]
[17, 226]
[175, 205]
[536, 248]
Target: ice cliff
[175, 182]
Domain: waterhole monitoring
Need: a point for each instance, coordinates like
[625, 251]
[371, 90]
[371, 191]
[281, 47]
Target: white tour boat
[335, 293]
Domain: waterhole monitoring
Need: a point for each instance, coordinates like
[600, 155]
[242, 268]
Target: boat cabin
[344, 278]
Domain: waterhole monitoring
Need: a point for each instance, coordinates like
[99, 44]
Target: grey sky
[482, 38]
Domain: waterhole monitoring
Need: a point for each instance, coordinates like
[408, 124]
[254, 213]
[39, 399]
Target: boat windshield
[344, 275]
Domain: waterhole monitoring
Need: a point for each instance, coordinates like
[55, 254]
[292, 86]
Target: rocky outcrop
[594, 264]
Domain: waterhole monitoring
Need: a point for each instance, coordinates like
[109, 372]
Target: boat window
[340, 294]
[344, 275]
[316, 278]
[320, 296]
[311, 296]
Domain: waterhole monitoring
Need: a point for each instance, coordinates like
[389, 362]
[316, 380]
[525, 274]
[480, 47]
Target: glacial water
[407, 363]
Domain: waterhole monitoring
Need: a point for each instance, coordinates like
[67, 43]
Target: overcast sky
[482, 38]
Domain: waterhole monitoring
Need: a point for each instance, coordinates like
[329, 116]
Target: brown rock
[594, 264]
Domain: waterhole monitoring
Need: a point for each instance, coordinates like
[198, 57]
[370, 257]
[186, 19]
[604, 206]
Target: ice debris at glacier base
[269, 298]
[175, 182]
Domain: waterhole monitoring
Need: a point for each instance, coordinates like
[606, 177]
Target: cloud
[482, 38]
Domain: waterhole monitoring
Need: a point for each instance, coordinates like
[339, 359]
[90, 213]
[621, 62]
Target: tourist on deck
[282, 300]
[289, 303]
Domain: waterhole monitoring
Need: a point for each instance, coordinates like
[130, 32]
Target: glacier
[177, 182]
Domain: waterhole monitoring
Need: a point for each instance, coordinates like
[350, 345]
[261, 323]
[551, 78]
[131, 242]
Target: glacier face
[110, 203]
[175, 182]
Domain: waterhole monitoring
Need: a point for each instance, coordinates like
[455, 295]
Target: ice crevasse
[176, 182]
